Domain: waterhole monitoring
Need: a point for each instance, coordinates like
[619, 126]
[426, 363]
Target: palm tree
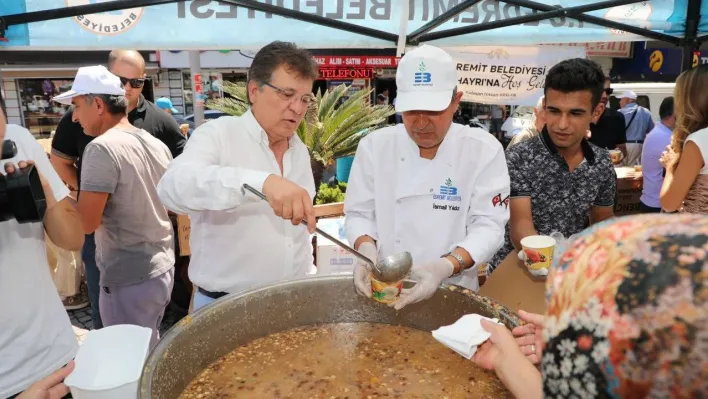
[331, 129]
[236, 105]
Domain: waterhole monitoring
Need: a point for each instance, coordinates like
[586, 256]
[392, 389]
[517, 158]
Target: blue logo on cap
[422, 78]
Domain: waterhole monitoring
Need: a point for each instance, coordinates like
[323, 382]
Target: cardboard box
[512, 285]
[629, 190]
[183, 231]
[332, 259]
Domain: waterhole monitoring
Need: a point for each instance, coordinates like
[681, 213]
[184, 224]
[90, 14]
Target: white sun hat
[92, 80]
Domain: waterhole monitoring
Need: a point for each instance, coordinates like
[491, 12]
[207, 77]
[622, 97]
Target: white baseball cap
[92, 80]
[426, 78]
[629, 94]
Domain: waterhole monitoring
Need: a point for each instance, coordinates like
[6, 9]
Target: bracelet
[460, 261]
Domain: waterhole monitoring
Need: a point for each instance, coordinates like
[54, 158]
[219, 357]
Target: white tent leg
[195, 66]
[402, 29]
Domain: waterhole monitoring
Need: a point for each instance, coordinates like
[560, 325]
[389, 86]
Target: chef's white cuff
[356, 227]
[479, 250]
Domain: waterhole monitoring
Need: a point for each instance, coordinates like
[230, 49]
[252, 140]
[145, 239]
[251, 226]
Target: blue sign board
[655, 61]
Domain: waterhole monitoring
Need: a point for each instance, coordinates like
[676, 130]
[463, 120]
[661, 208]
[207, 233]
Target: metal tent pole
[557, 12]
[690, 42]
[73, 11]
[56, 13]
[599, 21]
[441, 19]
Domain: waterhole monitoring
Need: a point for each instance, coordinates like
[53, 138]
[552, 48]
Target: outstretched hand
[529, 337]
[50, 387]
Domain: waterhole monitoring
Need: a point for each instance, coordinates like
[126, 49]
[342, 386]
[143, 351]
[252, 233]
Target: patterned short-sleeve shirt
[560, 199]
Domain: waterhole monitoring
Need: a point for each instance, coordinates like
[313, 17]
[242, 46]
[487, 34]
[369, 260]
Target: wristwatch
[460, 261]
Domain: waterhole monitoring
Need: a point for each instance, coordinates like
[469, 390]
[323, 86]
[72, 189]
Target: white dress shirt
[236, 239]
[429, 207]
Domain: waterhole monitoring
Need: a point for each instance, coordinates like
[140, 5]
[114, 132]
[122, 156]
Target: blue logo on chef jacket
[447, 192]
[422, 77]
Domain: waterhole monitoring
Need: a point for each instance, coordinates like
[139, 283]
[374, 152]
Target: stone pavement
[81, 321]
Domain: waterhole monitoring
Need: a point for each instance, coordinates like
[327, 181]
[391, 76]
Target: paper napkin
[464, 335]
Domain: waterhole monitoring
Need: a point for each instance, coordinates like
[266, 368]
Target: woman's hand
[498, 349]
[529, 337]
[51, 387]
[501, 354]
[668, 158]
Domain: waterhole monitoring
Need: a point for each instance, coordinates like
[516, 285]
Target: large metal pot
[200, 339]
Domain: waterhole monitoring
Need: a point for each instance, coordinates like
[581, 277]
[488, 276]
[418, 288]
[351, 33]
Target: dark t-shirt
[609, 131]
[561, 200]
[70, 141]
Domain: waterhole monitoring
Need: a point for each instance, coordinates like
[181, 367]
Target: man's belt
[212, 295]
[635, 141]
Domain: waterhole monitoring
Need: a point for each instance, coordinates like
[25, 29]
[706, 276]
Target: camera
[21, 194]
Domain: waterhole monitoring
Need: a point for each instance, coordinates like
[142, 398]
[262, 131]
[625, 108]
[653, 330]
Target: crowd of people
[448, 193]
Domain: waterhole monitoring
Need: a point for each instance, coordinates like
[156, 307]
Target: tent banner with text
[507, 75]
[212, 25]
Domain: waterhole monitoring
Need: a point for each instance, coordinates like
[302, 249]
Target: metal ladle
[388, 269]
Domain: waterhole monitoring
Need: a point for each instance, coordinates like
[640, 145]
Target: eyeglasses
[308, 100]
[134, 83]
[609, 91]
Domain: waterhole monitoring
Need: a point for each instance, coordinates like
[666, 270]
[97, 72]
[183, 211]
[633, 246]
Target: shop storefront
[360, 72]
[217, 67]
[29, 82]
[39, 113]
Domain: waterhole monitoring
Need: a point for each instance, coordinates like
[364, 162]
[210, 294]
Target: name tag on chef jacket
[446, 196]
[421, 180]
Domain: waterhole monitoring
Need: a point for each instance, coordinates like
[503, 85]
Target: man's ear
[99, 105]
[252, 88]
[597, 113]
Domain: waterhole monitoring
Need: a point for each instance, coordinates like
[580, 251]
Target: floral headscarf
[627, 311]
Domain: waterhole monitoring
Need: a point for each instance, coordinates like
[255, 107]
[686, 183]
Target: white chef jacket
[429, 207]
[237, 241]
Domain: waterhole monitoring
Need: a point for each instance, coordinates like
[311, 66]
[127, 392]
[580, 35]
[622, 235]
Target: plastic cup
[616, 156]
[538, 251]
[385, 292]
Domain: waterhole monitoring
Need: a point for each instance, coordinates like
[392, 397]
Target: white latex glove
[362, 279]
[429, 277]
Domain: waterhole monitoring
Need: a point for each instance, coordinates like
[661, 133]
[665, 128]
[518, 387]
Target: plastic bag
[66, 267]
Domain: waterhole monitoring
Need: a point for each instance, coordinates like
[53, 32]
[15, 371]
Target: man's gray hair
[539, 103]
[116, 105]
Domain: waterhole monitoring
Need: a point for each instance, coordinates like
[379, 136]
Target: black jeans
[648, 209]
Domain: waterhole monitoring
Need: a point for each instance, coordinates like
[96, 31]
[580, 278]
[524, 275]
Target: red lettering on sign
[346, 74]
